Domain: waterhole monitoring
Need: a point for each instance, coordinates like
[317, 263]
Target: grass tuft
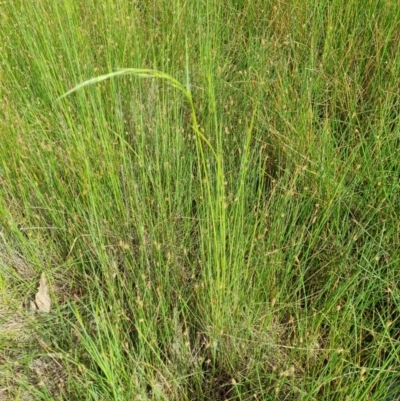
[214, 203]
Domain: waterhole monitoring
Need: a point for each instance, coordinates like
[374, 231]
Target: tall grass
[211, 189]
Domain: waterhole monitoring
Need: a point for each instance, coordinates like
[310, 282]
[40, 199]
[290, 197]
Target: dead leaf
[42, 298]
[32, 305]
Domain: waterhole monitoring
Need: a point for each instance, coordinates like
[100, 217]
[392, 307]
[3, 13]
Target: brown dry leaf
[32, 305]
[42, 298]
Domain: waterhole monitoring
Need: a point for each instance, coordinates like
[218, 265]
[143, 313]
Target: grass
[212, 190]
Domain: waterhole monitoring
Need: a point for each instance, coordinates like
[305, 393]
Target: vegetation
[215, 204]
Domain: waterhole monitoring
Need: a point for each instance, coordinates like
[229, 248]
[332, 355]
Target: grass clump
[211, 191]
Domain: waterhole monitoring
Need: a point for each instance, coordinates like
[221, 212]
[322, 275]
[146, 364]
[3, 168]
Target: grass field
[215, 204]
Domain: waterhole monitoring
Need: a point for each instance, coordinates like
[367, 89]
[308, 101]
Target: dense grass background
[240, 242]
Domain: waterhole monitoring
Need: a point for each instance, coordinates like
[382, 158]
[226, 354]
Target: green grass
[212, 190]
